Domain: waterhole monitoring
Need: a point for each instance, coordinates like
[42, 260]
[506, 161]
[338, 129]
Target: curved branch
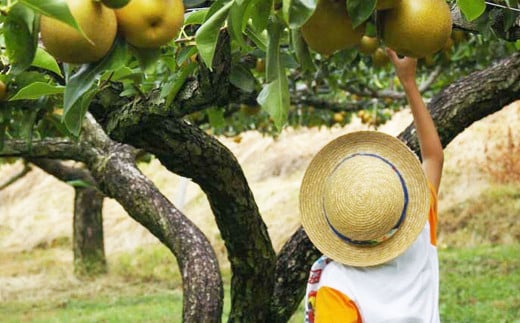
[497, 25]
[26, 169]
[62, 172]
[320, 103]
[57, 148]
[118, 175]
[470, 99]
[396, 95]
[292, 269]
[113, 167]
[188, 151]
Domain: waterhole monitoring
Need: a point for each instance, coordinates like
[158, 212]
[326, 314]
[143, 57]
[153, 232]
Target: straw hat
[364, 198]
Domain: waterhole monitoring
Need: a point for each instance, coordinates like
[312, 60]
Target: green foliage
[268, 30]
[274, 97]
[20, 37]
[207, 35]
[360, 11]
[296, 12]
[80, 91]
[35, 90]
[57, 9]
[472, 9]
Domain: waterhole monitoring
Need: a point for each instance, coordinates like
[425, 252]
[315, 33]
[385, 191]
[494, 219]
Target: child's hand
[404, 67]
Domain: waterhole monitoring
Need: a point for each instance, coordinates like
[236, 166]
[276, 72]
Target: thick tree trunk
[188, 151]
[87, 238]
[117, 175]
[292, 272]
[112, 166]
[88, 241]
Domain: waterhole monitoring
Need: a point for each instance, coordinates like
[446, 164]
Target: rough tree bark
[112, 165]
[87, 234]
[188, 151]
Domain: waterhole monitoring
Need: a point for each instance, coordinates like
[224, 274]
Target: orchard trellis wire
[501, 6]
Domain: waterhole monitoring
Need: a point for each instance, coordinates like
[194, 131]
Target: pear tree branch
[112, 166]
[26, 169]
[497, 24]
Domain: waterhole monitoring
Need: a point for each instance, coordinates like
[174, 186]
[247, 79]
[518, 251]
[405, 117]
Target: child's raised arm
[431, 148]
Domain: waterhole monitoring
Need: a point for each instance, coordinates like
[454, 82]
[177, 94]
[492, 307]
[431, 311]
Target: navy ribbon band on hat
[394, 228]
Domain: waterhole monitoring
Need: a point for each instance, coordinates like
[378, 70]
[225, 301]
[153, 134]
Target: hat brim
[312, 189]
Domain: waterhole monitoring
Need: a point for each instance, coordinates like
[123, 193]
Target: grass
[131, 308]
[479, 262]
[478, 284]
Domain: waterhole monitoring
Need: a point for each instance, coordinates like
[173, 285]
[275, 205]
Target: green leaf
[20, 42]
[44, 60]
[237, 22]
[147, 57]
[74, 118]
[301, 50]
[274, 97]
[184, 54]
[83, 80]
[517, 44]
[216, 117]
[273, 61]
[123, 73]
[207, 35]
[174, 87]
[57, 9]
[472, 9]
[260, 11]
[296, 12]
[196, 17]
[360, 10]
[258, 38]
[79, 183]
[242, 78]
[36, 90]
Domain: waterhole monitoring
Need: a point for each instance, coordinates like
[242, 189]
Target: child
[370, 207]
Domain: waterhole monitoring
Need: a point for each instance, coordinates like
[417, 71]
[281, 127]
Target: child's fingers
[392, 55]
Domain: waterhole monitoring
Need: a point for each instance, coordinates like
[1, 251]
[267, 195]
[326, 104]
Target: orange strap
[433, 216]
[333, 306]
